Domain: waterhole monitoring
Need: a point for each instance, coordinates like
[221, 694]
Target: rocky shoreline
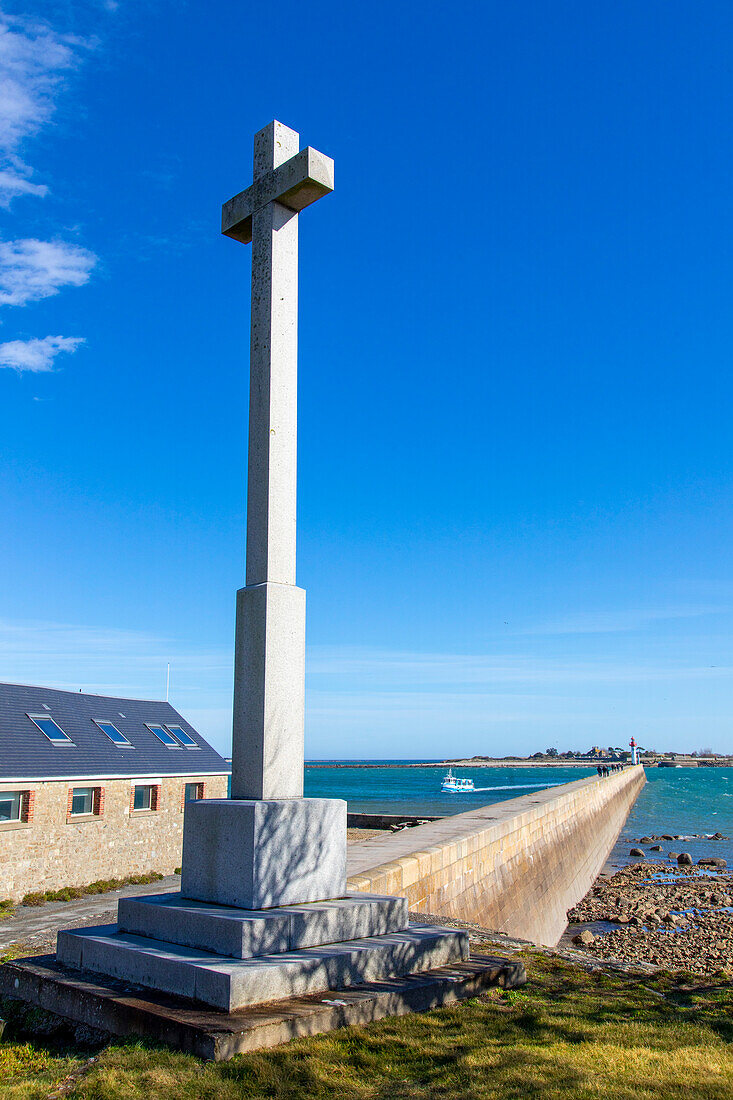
[674, 917]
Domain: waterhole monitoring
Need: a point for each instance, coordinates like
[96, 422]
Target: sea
[689, 802]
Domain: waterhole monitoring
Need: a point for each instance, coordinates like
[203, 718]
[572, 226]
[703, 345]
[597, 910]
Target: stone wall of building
[516, 867]
[54, 848]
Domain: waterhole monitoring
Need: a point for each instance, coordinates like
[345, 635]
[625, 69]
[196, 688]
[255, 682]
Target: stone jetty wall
[516, 866]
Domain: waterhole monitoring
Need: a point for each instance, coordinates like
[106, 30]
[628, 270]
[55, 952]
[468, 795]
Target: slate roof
[26, 753]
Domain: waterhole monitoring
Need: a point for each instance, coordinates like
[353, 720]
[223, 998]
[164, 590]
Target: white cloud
[33, 59]
[375, 670]
[107, 658]
[15, 180]
[32, 269]
[621, 620]
[36, 355]
[387, 703]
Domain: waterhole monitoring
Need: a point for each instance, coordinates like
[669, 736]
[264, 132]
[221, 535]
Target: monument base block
[125, 1010]
[259, 854]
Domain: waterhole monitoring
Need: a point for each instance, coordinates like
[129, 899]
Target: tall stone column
[267, 845]
[269, 676]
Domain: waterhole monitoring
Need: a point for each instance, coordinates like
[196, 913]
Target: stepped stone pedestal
[231, 958]
[263, 914]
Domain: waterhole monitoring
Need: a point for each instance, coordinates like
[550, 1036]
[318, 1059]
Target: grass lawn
[568, 1033]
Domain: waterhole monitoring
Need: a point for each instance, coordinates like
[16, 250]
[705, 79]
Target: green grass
[568, 1033]
[101, 886]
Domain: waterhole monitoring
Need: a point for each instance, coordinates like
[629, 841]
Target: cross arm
[296, 184]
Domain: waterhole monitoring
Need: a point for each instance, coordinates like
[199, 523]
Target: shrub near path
[568, 1033]
[100, 886]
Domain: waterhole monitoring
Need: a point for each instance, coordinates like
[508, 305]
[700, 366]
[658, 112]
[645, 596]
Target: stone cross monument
[269, 702]
[267, 822]
[263, 913]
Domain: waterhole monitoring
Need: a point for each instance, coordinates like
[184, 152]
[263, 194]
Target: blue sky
[516, 327]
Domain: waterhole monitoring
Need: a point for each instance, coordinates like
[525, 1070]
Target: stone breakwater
[674, 918]
[515, 867]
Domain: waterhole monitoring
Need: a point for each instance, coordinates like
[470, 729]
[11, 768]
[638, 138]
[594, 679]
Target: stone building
[94, 788]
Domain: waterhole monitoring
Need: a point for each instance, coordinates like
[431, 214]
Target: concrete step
[228, 984]
[245, 933]
[109, 1004]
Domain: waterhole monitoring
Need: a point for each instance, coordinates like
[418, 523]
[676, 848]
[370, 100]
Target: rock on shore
[678, 924]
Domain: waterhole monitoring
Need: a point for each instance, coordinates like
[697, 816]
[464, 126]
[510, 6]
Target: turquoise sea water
[674, 800]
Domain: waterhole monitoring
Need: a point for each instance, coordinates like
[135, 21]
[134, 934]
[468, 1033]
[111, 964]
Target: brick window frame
[201, 793]
[97, 805]
[27, 806]
[27, 809]
[155, 798]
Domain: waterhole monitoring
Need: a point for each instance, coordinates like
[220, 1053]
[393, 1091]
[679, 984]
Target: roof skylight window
[162, 734]
[183, 737]
[53, 732]
[113, 733]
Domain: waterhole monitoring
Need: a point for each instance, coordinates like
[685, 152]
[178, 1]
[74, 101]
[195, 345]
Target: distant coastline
[521, 762]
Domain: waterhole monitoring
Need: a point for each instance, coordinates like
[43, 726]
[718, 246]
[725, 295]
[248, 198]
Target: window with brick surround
[16, 806]
[145, 796]
[191, 792]
[11, 805]
[84, 802]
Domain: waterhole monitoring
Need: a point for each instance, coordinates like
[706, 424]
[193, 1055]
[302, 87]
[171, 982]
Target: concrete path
[37, 925]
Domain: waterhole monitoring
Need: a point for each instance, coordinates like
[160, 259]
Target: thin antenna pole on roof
[168, 683]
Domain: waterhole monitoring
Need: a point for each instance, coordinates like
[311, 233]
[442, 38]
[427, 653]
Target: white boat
[454, 785]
